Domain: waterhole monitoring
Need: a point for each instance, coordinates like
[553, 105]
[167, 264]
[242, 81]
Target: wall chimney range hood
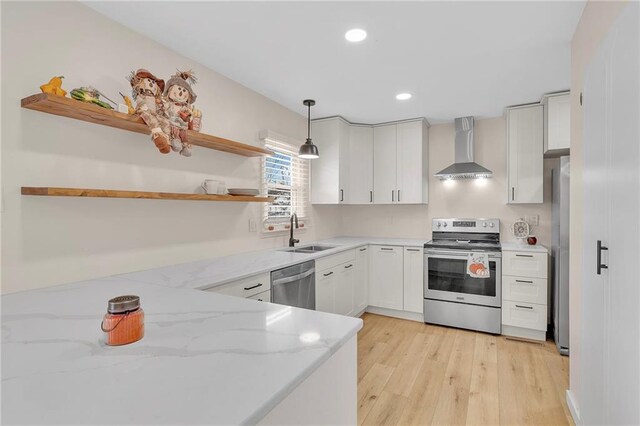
[464, 167]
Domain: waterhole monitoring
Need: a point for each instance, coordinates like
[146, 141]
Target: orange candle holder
[124, 321]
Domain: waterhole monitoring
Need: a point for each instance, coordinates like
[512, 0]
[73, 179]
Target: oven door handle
[460, 254]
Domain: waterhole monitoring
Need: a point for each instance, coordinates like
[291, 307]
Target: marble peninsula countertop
[206, 358]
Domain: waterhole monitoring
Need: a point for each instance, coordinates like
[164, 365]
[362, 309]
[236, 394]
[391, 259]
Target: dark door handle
[342, 195]
[413, 249]
[348, 266]
[386, 248]
[524, 307]
[513, 194]
[524, 255]
[327, 274]
[398, 195]
[393, 195]
[523, 281]
[599, 248]
[253, 286]
[371, 196]
[363, 249]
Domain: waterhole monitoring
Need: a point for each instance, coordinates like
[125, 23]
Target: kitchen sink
[308, 249]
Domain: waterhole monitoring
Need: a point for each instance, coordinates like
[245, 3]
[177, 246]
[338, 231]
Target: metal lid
[122, 304]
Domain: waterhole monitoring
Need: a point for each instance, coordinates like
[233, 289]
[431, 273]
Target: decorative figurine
[54, 87]
[178, 100]
[147, 92]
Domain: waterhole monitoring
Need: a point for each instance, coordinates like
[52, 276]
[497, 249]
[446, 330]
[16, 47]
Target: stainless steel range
[452, 297]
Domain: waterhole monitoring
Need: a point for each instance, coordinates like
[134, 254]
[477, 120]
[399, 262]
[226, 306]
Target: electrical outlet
[253, 226]
[533, 219]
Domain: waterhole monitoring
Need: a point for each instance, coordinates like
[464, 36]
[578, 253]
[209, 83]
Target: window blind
[285, 177]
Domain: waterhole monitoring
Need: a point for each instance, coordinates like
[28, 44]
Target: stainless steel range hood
[464, 166]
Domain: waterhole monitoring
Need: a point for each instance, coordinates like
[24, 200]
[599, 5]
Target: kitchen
[396, 352]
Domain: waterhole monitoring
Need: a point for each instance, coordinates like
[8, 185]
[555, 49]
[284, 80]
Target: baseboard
[524, 333]
[412, 316]
[573, 407]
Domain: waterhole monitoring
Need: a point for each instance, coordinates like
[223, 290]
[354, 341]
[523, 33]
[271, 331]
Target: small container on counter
[124, 321]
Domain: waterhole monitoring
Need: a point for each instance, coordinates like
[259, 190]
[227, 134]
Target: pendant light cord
[309, 122]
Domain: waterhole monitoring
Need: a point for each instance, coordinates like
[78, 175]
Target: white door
[361, 284]
[409, 173]
[413, 279]
[325, 293]
[610, 323]
[384, 164]
[386, 280]
[344, 288]
[360, 166]
[525, 157]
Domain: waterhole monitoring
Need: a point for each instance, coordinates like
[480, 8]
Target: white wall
[596, 20]
[46, 240]
[465, 198]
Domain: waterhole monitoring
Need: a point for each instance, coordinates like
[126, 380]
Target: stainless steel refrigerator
[560, 254]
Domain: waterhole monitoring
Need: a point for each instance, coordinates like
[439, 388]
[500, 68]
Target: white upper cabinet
[384, 164]
[557, 125]
[525, 154]
[400, 163]
[412, 162]
[329, 173]
[363, 164]
[359, 188]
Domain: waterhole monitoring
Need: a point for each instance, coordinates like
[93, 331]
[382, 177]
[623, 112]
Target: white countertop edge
[510, 246]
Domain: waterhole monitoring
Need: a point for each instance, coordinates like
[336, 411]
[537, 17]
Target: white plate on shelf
[244, 191]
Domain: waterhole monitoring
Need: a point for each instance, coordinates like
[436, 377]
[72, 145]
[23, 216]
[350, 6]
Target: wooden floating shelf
[91, 113]
[114, 193]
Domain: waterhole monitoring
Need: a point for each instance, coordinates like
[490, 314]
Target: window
[285, 177]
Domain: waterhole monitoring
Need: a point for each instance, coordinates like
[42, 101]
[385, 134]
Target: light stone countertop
[206, 358]
[509, 246]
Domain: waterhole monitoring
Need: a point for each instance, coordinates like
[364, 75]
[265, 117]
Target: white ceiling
[456, 58]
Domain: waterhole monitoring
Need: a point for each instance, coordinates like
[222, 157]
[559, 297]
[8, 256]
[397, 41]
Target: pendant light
[308, 150]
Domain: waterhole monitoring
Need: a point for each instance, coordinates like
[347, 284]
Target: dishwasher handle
[294, 278]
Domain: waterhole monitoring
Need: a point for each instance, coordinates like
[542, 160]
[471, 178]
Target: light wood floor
[414, 373]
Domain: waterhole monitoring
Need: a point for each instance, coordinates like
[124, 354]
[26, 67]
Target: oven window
[450, 275]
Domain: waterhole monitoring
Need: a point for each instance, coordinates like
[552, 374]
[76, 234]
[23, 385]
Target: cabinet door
[386, 284]
[409, 165]
[413, 279]
[344, 289]
[384, 164]
[325, 289]
[360, 166]
[326, 171]
[557, 125]
[525, 157]
[361, 285]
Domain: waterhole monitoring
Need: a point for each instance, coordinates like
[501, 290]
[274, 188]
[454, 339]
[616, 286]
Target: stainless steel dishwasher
[295, 285]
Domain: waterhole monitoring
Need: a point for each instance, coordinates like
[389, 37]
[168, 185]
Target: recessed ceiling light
[403, 96]
[355, 35]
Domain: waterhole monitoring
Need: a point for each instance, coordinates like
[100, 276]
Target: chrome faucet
[293, 241]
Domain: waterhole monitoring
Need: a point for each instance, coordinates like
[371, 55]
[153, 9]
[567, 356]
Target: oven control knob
[491, 225]
[444, 224]
[484, 224]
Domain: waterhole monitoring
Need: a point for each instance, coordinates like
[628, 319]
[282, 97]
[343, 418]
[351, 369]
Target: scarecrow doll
[178, 100]
[147, 90]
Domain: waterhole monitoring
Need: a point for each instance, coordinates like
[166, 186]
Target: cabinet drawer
[524, 264]
[265, 296]
[524, 289]
[245, 287]
[335, 260]
[525, 315]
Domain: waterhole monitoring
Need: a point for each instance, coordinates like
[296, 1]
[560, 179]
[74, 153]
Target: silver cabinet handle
[524, 307]
[328, 273]
[523, 281]
[253, 286]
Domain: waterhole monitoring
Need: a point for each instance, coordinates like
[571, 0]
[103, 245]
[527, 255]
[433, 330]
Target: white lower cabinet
[524, 293]
[413, 279]
[335, 280]
[386, 280]
[361, 281]
[265, 296]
